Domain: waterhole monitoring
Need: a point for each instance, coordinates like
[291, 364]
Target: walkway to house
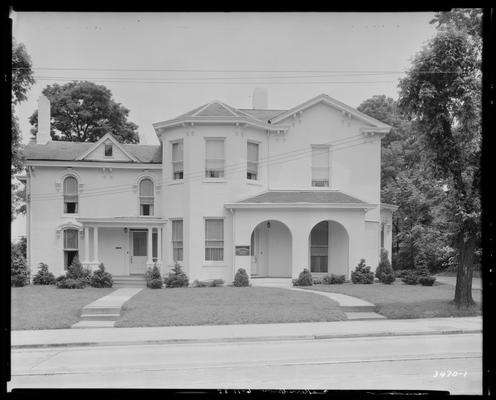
[353, 307]
[103, 313]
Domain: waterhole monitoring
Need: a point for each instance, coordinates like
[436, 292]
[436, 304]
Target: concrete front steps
[129, 281]
[103, 312]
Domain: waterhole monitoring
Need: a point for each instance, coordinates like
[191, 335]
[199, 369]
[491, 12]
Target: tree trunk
[463, 289]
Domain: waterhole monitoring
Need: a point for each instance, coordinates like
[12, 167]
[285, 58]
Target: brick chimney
[43, 135]
[260, 99]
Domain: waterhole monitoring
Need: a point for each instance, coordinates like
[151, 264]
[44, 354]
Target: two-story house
[271, 191]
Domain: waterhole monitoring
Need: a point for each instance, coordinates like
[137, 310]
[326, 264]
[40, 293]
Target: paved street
[399, 362]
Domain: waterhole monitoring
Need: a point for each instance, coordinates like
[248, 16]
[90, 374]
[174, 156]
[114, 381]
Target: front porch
[126, 246]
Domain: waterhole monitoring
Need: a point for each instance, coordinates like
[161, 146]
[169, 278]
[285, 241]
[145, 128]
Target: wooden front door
[138, 246]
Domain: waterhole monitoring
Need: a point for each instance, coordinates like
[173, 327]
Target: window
[177, 160]
[70, 246]
[177, 240]
[214, 239]
[214, 158]
[154, 246]
[70, 195]
[108, 149]
[320, 166]
[146, 197]
[252, 161]
[319, 244]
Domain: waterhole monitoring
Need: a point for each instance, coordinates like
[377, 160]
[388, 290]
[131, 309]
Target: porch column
[86, 245]
[95, 246]
[149, 261]
[159, 246]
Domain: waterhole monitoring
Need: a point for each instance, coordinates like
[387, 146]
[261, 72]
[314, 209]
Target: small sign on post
[242, 250]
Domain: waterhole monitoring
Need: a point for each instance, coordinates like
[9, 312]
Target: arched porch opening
[270, 250]
[329, 248]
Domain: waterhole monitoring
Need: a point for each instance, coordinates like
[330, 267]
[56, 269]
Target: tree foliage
[83, 111]
[442, 95]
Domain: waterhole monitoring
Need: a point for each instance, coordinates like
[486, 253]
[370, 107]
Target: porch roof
[121, 222]
[302, 198]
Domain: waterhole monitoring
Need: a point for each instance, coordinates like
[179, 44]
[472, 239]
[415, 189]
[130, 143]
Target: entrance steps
[128, 281]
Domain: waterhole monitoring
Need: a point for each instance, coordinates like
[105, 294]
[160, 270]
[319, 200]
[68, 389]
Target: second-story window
[177, 160]
[108, 149]
[214, 158]
[320, 166]
[70, 195]
[252, 161]
[146, 197]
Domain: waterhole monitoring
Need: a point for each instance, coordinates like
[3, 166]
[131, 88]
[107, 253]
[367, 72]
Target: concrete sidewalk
[242, 333]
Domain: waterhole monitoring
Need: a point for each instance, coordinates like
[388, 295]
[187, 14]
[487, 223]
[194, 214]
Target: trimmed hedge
[384, 271]
[100, 278]
[69, 283]
[153, 274]
[427, 280]
[410, 278]
[333, 279]
[176, 278]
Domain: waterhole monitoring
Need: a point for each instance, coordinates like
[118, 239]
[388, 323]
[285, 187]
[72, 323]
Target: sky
[161, 65]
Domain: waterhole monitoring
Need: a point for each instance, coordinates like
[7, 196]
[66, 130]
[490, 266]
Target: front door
[138, 246]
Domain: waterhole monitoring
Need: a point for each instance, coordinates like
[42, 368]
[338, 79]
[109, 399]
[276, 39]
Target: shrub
[43, 276]
[410, 278]
[68, 283]
[77, 272]
[100, 278]
[384, 271]
[333, 279]
[318, 281]
[176, 278]
[19, 272]
[362, 274]
[304, 279]
[241, 278]
[155, 284]
[208, 283]
[153, 274]
[427, 280]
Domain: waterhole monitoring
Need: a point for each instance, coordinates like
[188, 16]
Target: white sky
[220, 41]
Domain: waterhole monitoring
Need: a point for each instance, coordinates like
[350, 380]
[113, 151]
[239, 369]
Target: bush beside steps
[77, 277]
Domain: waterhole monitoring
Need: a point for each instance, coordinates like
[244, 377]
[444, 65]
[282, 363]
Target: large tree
[442, 94]
[83, 111]
[22, 80]
[417, 235]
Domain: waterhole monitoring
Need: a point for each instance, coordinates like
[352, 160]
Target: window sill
[321, 188]
[214, 180]
[176, 182]
[253, 182]
[69, 215]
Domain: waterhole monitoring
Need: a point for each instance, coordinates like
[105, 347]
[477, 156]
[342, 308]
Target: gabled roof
[303, 196]
[216, 111]
[101, 141]
[262, 115]
[70, 151]
[324, 98]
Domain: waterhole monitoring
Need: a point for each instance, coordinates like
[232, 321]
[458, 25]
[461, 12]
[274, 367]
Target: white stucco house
[272, 191]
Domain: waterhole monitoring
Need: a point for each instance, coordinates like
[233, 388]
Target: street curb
[241, 339]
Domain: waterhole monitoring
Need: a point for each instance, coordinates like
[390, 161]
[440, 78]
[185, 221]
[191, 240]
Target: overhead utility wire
[200, 176]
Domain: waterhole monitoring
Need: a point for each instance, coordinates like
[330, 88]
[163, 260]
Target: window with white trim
[108, 149]
[214, 239]
[252, 161]
[177, 160]
[146, 197]
[320, 166]
[177, 240]
[70, 195]
[71, 249]
[214, 158]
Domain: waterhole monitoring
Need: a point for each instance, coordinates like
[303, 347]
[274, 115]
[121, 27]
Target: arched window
[70, 195]
[146, 197]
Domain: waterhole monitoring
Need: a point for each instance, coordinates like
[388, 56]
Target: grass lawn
[46, 307]
[225, 305]
[407, 301]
